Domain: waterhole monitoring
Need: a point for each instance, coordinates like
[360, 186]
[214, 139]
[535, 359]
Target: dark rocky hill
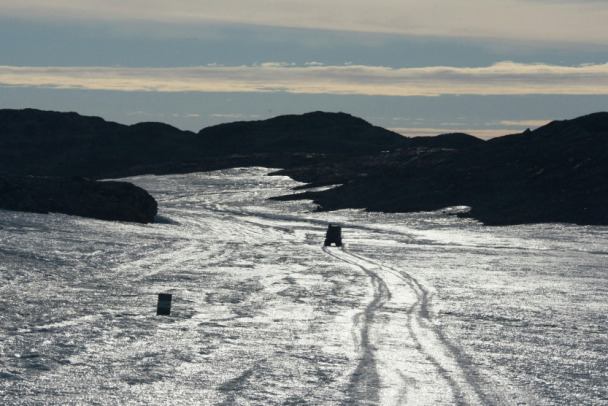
[46, 143]
[556, 173]
[119, 201]
[316, 132]
[553, 174]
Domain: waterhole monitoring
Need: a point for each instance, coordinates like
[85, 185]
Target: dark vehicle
[334, 235]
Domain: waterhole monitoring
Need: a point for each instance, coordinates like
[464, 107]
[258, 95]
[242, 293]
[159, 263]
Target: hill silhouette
[117, 201]
[47, 143]
[556, 173]
[315, 132]
[552, 174]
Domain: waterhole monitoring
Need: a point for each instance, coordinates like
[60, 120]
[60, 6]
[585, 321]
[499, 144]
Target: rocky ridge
[552, 174]
[117, 201]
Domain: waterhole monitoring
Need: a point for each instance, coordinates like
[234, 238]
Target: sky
[418, 67]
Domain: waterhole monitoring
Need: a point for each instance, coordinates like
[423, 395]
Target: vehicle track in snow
[365, 383]
[426, 369]
[415, 365]
[375, 379]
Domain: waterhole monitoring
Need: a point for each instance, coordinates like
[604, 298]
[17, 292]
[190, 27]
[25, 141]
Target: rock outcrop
[556, 173]
[120, 201]
[553, 174]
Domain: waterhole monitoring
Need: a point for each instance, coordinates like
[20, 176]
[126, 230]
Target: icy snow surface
[414, 309]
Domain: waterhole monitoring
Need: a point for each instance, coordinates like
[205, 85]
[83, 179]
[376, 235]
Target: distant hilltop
[555, 173]
[47, 143]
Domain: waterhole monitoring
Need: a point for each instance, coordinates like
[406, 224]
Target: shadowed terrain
[555, 173]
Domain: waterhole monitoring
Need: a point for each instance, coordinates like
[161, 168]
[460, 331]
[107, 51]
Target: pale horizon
[482, 67]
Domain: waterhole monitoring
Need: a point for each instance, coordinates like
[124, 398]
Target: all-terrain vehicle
[334, 235]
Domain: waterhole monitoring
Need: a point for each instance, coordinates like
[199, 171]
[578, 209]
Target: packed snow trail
[415, 309]
[414, 366]
[364, 384]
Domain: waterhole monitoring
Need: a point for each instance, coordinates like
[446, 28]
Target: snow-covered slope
[415, 308]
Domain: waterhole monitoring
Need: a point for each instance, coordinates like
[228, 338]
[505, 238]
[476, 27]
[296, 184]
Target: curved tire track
[423, 342]
[364, 385]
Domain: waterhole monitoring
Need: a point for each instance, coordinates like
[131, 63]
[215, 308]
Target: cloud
[524, 123]
[504, 78]
[186, 115]
[485, 131]
[484, 134]
[568, 21]
[139, 113]
[234, 115]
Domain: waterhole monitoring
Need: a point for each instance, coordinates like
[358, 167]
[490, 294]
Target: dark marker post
[164, 304]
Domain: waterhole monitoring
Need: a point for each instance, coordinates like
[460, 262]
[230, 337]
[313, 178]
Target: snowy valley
[414, 309]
